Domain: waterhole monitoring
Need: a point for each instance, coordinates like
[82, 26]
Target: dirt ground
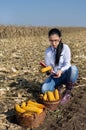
[20, 80]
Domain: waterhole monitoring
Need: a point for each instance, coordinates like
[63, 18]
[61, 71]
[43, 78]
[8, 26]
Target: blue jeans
[69, 76]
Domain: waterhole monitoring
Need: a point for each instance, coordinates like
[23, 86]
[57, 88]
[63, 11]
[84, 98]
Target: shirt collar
[53, 49]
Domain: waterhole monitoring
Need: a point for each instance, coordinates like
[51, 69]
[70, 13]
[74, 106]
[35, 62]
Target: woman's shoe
[66, 97]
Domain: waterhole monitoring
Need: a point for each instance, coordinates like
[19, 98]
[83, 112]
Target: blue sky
[43, 12]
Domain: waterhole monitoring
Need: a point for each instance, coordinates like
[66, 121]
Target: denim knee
[72, 74]
[46, 87]
[49, 85]
[43, 88]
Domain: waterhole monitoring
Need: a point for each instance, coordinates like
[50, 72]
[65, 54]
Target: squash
[56, 94]
[50, 96]
[33, 108]
[36, 104]
[19, 109]
[28, 113]
[23, 104]
[45, 69]
[45, 97]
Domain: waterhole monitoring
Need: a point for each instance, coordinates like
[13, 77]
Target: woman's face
[54, 40]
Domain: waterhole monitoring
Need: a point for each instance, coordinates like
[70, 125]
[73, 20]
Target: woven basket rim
[51, 102]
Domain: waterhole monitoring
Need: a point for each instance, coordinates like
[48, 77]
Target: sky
[43, 12]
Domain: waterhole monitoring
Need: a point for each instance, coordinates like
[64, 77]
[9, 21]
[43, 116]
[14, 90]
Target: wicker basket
[30, 121]
[51, 105]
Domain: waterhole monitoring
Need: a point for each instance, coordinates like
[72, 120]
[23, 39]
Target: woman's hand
[49, 72]
[58, 74]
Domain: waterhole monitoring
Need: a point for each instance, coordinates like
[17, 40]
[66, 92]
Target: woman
[58, 56]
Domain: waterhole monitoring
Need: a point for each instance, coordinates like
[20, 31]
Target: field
[21, 50]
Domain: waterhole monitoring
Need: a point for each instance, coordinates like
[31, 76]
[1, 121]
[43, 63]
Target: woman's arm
[47, 61]
[67, 59]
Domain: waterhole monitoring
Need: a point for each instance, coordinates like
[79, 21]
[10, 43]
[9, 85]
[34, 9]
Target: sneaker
[66, 98]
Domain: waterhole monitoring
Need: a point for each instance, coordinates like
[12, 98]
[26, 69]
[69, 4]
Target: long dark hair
[60, 46]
